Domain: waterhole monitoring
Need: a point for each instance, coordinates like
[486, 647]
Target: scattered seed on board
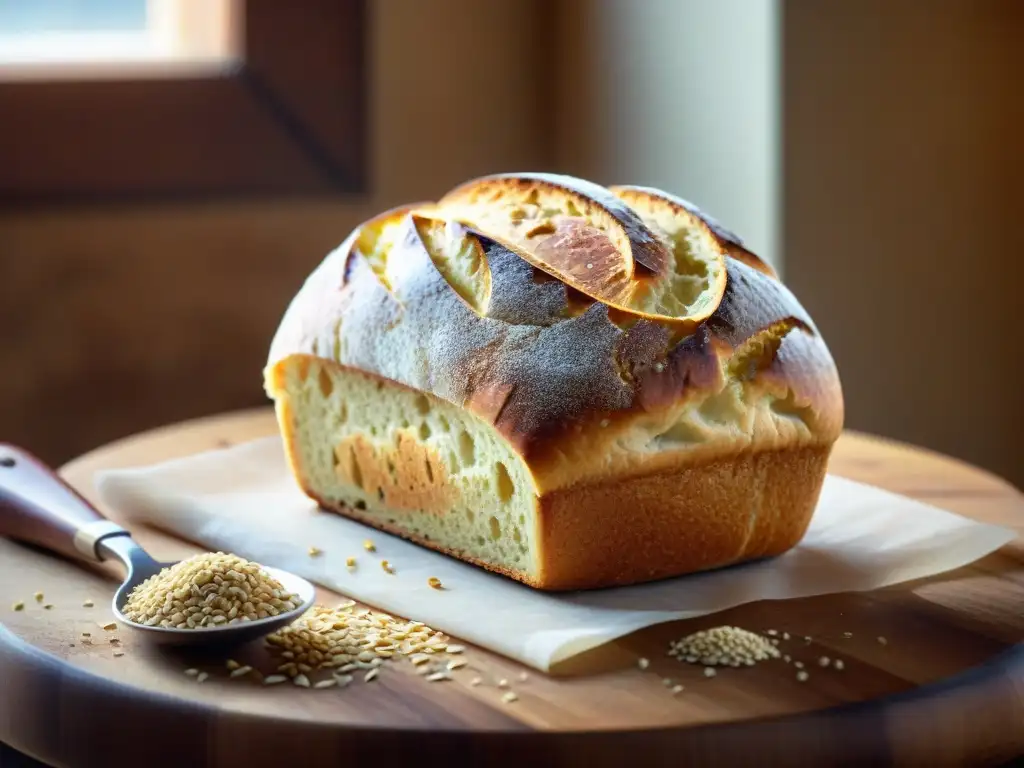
[315, 551]
[118, 654]
[509, 697]
[350, 562]
[798, 664]
[772, 632]
[202, 676]
[847, 635]
[241, 671]
[455, 648]
[301, 680]
[838, 664]
[882, 641]
[677, 689]
[475, 681]
[38, 596]
[110, 626]
[709, 672]
[785, 635]
[668, 682]
[369, 546]
[787, 658]
[434, 582]
[724, 646]
[523, 677]
[457, 664]
[274, 679]
[88, 604]
[503, 683]
[48, 606]
[643, 663]
[371, 675]
[329, 683]
[232, 664]
[438, 676]
[824, 661]
[191, 672]
[18, 606]
[802, 676]
[386, 566]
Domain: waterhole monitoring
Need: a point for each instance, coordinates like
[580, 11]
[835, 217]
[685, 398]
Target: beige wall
[904, 212]
[118, 319]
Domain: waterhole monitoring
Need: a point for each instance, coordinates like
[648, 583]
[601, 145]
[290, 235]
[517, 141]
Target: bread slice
[433, 381]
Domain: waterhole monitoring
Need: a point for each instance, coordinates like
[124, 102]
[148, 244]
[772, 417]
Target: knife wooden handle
[38, 507]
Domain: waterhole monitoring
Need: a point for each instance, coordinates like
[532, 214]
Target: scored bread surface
[457, 374]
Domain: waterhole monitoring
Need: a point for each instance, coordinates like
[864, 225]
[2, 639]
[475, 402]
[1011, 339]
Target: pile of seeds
[348, 639]
[208, 590]
[724, 646]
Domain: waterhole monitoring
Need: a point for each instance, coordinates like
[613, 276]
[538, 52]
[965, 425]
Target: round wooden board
[946, 687]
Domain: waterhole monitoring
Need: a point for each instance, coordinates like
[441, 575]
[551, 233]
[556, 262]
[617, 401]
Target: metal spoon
[38, 507]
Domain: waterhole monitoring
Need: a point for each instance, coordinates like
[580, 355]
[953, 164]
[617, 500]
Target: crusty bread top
[685, 346]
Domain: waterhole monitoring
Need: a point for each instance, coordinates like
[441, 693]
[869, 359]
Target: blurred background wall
[870, 149]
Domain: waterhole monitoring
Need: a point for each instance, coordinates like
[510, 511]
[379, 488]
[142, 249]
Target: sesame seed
[882, 641]
[18, 606]
[847, 635]
[456, 648]
[457, 664]
[509, 697]
[802, 676]
[824, 661]
[329, 683]
[371, 675]
[369, 546]
[787, 658]
[724, 646]
[435, 677]
[301, 680]
[709, 672]
[785, 635]
[475, 681]
[772, 633]
[838, 664]
[202, 677]
[503, 683]
[241, 671]
[88, 604]
[118, 654]
[798, 664]
[643, 663]
[677, 689]
[274, 679]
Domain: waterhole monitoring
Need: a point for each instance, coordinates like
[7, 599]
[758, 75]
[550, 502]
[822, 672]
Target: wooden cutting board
[945, 686]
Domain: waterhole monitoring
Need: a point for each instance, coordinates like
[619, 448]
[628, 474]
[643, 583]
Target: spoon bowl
[38, 507]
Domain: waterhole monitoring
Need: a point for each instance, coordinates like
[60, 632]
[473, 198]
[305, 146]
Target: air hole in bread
[444, 423]
[467, 449]
[495, 527]
[343, 413]
[357, 471]
[422, 405]
[335, 461]
[360, 504]
[324, 380]
[470, 515]
[405, 423]
[517, 537]
[391, 468]
[303, 371]
[453, 461]
[424, 431]
[683, 432]
[506, 488]
[430, 471]
[380, 493]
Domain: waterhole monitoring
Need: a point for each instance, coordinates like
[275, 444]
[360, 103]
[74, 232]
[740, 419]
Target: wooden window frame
[287, 118]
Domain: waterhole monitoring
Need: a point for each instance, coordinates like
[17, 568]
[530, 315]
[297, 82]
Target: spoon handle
[38, 507]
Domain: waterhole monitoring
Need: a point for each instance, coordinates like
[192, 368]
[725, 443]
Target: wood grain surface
[945, 688]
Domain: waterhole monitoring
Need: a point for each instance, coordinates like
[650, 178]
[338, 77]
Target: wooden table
[947, 687]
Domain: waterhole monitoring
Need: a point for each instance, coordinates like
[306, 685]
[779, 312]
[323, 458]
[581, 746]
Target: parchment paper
[243, 500]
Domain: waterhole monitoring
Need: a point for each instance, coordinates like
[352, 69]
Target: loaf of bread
[572, 385]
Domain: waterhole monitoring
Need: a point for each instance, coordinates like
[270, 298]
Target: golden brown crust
[682, 520]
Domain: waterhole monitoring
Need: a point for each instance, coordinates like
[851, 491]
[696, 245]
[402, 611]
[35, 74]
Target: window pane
[19, 17]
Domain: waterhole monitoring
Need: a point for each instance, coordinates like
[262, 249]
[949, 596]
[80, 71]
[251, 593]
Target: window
[135, 99]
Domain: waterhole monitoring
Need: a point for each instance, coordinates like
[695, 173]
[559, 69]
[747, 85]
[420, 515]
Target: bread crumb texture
[574, 385]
